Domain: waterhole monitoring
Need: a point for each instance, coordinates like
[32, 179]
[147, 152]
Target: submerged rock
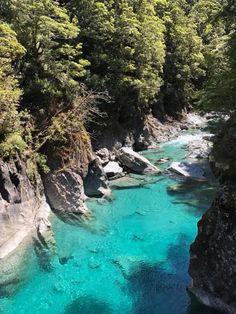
[96, 182]
[65, 193]
[135, 161]
[188, 170]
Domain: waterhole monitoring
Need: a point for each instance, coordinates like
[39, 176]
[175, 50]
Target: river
[132, 257]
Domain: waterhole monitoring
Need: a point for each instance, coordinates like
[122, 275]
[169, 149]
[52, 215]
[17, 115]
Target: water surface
[131, 258]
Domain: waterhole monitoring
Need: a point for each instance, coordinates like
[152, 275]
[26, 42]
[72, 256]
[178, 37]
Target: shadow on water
[159, 289]
[88, 305]
[197, 196]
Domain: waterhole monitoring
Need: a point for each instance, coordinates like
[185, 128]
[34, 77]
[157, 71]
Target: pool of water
[132, 257]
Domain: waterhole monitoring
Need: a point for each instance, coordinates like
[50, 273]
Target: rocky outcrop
[96, 181]
[65, 194]
[22, 205]
[213, 254]
[135, 161]
[146, 133]
[23, 212]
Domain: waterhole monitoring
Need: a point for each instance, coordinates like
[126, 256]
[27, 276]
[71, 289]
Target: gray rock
[96, 182]
[21, 205]
[187, 170]
[199, 149]
[104, 154]
[213, 253]
[22, 211]
[113, 169]
[135, 161]
[65, 193]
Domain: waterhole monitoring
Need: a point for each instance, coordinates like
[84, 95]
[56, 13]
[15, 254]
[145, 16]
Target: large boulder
[135, 161]
[96, 182]
[65, 194]
[188, 170]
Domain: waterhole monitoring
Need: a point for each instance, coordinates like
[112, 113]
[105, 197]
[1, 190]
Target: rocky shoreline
[25, 207]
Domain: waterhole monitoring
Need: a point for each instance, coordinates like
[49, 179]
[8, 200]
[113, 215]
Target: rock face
[213, 254]
[144, 134]
[21, 205]
[23, 211]
[96, 182]
[65, 194]
[135, 161]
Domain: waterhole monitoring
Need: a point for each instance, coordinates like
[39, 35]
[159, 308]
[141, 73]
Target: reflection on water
[132, 257]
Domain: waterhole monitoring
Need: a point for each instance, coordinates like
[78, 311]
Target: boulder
[104, 154]
[188, 170]
[65, 194]
[135, 161]
[199, 149]
[96, 182]
[113, 169]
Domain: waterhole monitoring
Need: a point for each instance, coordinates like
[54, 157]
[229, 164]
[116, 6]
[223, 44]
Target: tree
[10, 50]
[184, 66]
[52, 66]
[219, 92]
[124, 42]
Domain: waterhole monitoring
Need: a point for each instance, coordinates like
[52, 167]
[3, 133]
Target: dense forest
[66, 63]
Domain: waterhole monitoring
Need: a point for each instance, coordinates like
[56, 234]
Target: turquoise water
[132, 257]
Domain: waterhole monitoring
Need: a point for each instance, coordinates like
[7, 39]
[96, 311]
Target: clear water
[131, 258]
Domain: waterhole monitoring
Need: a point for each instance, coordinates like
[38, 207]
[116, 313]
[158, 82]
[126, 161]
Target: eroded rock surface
[213, 254]
[23, 208]
[21, 205]
[65, 194]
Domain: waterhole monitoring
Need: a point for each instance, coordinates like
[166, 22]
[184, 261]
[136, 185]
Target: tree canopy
[146, 56]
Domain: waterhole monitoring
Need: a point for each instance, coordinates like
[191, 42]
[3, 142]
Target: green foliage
[124, 42]
[220, 89]
[10, 49]
[12, 145]
[184, 65]
[53, 63]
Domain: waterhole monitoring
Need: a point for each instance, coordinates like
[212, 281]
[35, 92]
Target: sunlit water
[131, 258]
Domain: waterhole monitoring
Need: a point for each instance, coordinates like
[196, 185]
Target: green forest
[67, 63]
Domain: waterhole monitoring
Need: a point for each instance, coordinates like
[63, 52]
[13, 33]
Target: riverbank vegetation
[62, 59]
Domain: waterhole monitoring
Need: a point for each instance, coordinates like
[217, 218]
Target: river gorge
[132, 256]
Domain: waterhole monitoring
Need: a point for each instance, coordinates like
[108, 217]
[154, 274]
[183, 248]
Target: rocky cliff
[24, 215]
[213, 254]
